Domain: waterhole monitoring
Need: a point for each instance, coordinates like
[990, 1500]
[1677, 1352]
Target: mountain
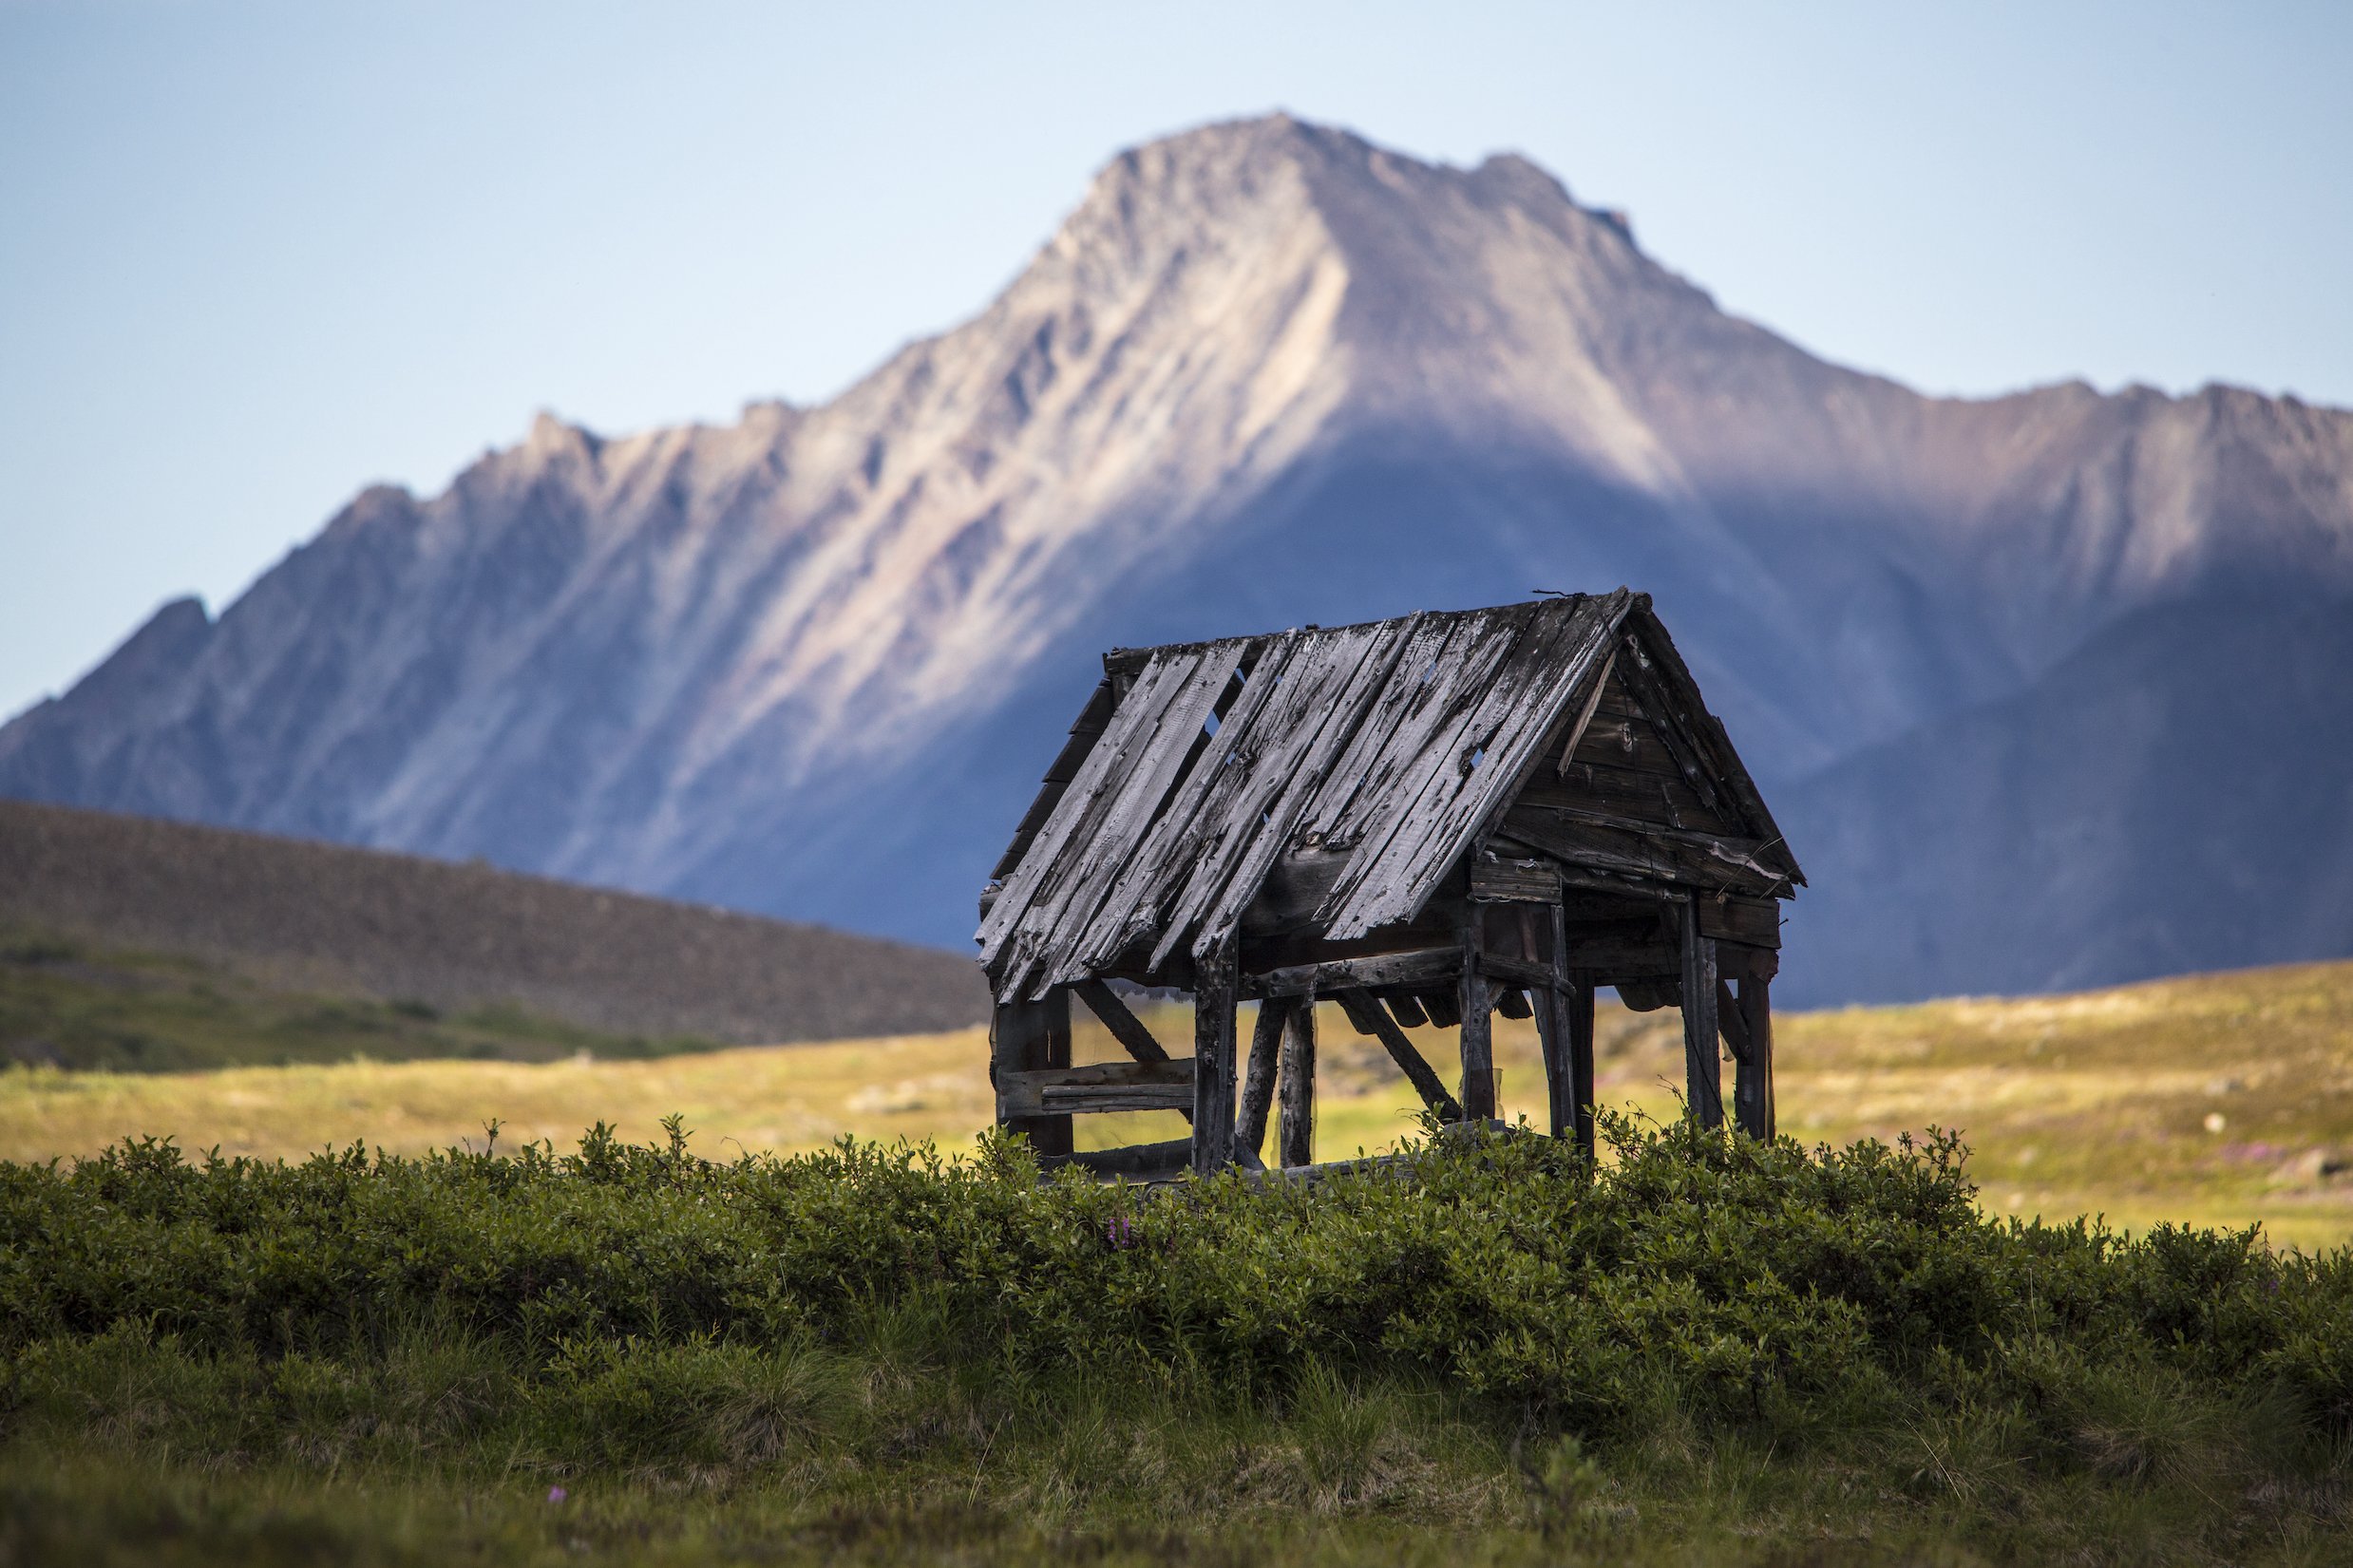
[1267, 372]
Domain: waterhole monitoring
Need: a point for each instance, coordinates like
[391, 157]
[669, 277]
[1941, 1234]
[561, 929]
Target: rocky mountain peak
[1265, 372]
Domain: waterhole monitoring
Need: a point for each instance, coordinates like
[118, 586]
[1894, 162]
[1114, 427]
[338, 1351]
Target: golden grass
[2218, 1099]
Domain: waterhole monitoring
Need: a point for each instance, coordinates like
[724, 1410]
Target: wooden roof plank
[1133, 904]
[1051, 928]
[1420, 749]
[1076, 813]
[1518, 717]
[1326, 688]
[1327, 809]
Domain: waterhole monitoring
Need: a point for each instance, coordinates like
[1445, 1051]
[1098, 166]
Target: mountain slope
[293, 917]
[1265, 373]
[2175, 795]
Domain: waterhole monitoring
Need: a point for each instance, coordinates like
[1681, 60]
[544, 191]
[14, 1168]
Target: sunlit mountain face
[2040, 685]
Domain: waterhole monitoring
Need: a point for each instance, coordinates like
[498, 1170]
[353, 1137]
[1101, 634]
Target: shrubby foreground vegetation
[1708, 1350]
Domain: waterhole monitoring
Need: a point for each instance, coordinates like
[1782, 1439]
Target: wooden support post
[1752, 1085]
[1552, 1040]
[1294, 1134]
[1578, 1002]
[1029, 1037]
[1478, 1024]
[1258, 1082]
[1702, 1072]
[1213, 1062]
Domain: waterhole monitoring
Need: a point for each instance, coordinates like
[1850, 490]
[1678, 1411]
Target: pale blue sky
[253, 256]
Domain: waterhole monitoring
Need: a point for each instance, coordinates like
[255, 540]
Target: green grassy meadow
[1850, 1346]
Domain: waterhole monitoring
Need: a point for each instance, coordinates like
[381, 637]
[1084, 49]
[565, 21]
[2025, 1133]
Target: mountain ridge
[1265, 372]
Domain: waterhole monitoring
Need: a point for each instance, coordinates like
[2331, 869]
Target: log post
[1213, 1062]
[1702, 1072]
[1258, 1082]
[1295, 1136]
[1752, 1085]
[1478, 1024]
[1577, 1002]
[1025, 1037]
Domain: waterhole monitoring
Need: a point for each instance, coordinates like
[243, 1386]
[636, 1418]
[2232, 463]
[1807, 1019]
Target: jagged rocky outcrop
[1265, 373]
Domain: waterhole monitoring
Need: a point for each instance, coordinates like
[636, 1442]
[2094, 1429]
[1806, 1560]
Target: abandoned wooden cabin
[1427, 820]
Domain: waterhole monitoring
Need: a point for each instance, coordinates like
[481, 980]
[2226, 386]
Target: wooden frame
[1425, 821]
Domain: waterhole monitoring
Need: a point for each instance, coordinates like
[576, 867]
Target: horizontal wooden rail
[1101, 1087]
[1419, 967]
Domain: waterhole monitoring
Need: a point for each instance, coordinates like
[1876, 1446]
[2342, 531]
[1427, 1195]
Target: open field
[1709, 1350]
[2221, 1100]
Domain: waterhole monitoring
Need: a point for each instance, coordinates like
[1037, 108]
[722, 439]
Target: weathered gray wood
[1258, 1083]
[1060, 847]
[1585, 718]
[1748, 806]
[1213, 1062]
[1477, 1035]
[1445, 805]
[1171, 747]
[1693, 860]
[1735, 1027]
[1384, 737]
[1024, 1038]
[1405, 1009]
[1751, 922]
[1125, 1026]
[1371, 1018]
[1170, 843]
[1752, 1082]
[1055, 929]
[1552, 1045]
[1085, 731]
[1321, 701]
[1577, 1005]
[1098, 1087]
[1519, 880]
[1390, 969]
[1654, 797]
[1511, 1002]
[1702, 1066]
[1295, 1137]
[1670, 720]
[1517, 970]
[1427, 737]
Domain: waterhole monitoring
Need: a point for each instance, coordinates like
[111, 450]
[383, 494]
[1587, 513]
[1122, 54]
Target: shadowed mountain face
[1265, 374]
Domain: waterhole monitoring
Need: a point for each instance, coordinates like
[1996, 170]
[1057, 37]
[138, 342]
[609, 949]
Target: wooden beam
[1100, 1087]
[1702, 1072]
[1371, 1018]
[1295, 1137]
[1388, 969]
[1258, 1083]
[1478, 1022]
[1140, 1159]
[1577, 1004]
[1125, 1027]
[1752, 1086]
[1728, 1019]
[1031, 1038]
[1213, 1062]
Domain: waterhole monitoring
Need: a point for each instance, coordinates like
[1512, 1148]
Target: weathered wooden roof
[1402, 741]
